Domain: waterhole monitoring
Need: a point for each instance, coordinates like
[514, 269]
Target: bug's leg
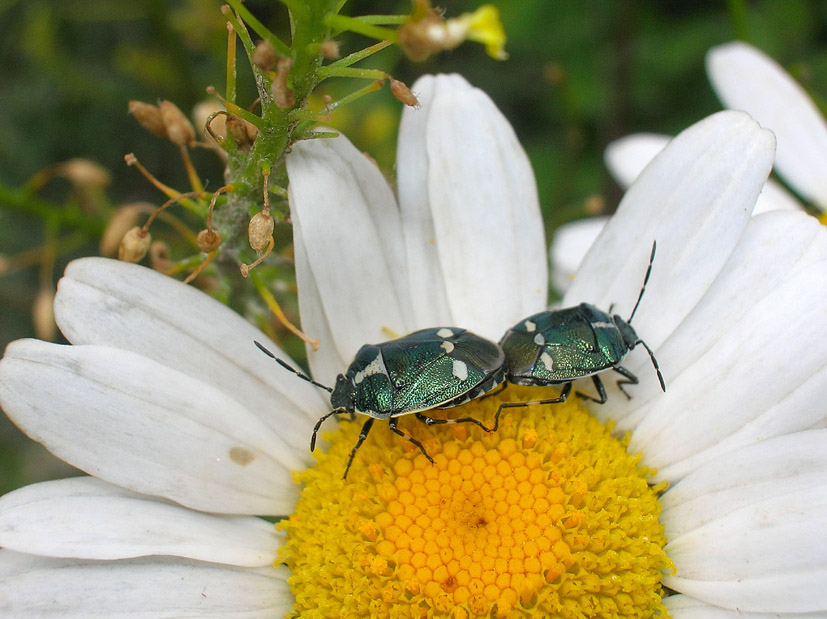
[564, 395]
[319, 425]
[431, 421]
[362, 436]
[601, 391]
[392, 426]
[631, 379]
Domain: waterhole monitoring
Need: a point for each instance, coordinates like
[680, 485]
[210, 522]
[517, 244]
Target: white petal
[40, 587]
[346, 222]
[768, 556]
[627, 157]
[126, 306]
[86, 518]
[694, 199]
[147, 427]
[569, 246]
[747, 79]
[777, 467]
[765, 376]
[470, 210]
[774, 247]
[686, 607]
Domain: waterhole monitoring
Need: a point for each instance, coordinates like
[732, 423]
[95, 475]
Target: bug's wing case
[426, 372]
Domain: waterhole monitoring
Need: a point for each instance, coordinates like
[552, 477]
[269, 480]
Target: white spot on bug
[539, 340]
[445, 333]
[531, 327]
[604, 325]
[546, 360]
[447, 347]
[374, 367]
[460, 370]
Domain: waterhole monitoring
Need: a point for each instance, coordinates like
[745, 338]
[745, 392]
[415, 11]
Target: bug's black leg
[319, 425]
[431, 421]
[392, 426]
[564, 395]
[631, 379]
[362, 436]
[601, 391]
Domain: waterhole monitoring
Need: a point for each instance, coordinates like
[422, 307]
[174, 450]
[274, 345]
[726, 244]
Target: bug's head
[343, 395]
[627, 332]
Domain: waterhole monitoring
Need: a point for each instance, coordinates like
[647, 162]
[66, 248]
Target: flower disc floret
[549, 516]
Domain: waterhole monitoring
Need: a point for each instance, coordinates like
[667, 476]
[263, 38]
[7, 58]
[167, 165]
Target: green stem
[68, 215]
[259, 28]
[360, 55]
[384, 20]
[738, 16]
[342, 22]
[365, 74]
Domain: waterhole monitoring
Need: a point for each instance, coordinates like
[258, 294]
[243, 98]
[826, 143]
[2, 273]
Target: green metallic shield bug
[556, 347]
[429, 369]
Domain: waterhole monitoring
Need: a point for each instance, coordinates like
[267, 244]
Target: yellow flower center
[548, 516]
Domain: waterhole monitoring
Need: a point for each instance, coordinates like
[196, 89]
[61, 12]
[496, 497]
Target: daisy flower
[744, 78]
[188, 433]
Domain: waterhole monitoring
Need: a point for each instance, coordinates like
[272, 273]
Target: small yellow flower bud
[260, 230]
[207, 240]
[134, 245]
[149, 117]
[179, 129]
[264, 56]
[125, 217]
[330, 49]
[43, 315]
[403, 93]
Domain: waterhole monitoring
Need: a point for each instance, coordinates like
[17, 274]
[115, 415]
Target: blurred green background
[580, 74]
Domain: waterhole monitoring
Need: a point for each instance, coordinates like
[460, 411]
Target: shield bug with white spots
[433, 368]
[556, 347]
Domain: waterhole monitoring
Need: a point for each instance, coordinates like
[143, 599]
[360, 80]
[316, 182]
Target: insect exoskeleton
[556, 347]
[433, 368]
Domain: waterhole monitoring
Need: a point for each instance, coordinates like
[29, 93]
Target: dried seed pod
[134, 245]
[179, 128]
[330, 49]
[207, 240]
[260, 231]
[264, 55]
[125, 217]
[84, 173]
[403, 93]
[149, 117]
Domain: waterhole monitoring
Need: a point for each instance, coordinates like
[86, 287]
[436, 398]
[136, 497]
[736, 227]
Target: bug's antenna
[335, 411]
[654, 362]
[290, 368]
[643, 288]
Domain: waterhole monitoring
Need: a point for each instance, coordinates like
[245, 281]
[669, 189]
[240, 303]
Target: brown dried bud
[264, 56]
[125, 217]
[260, 231]
[282, 95]
[179, 128]
[330, 49]
[84, 173]
[416, 39]
[403, 93]
[237, 130]
[134, 245]
[149, 117]
[43, 314]
[207, 240]
[159, 256]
